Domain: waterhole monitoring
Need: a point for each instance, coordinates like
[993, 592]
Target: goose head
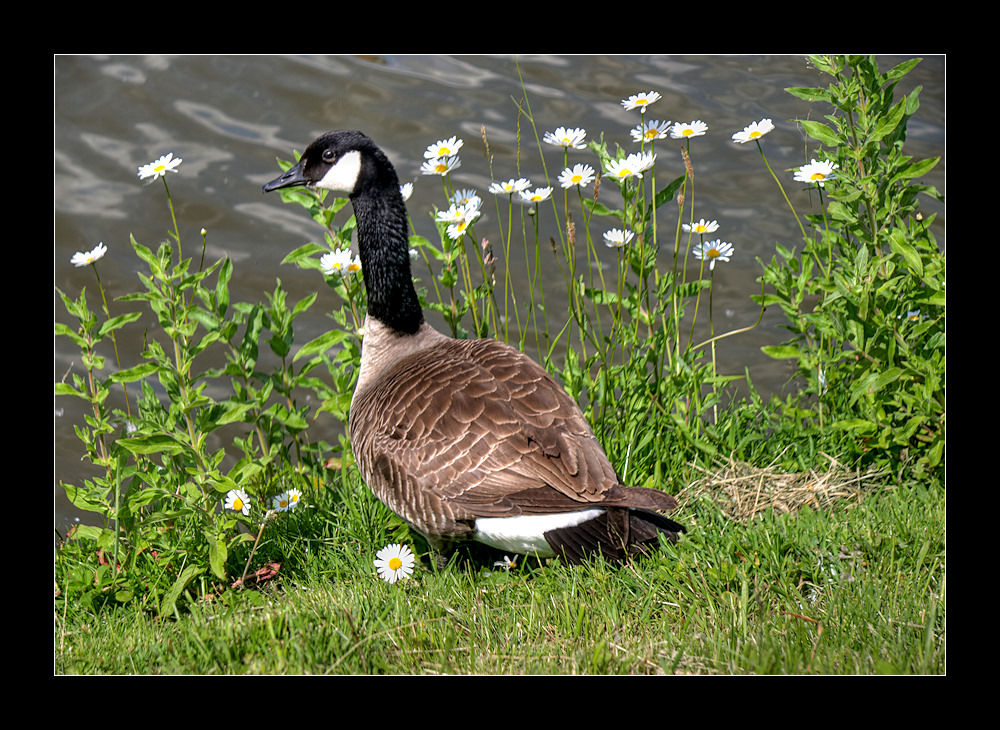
[349, 162]
[343, 161]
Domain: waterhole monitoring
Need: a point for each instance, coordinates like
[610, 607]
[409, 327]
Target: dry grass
[743, 491]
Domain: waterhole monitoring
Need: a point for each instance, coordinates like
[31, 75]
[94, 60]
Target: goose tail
[614, 534]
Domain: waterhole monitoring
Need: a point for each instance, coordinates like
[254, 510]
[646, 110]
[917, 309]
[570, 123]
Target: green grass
[854, 589]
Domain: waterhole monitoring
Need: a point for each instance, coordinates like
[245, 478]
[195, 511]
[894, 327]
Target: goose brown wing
[474, 428]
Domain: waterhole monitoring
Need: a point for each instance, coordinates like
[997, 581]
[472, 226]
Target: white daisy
[580, 175]
[756, 130]
[238, 501]
[616, 237]
[702, 226]
[336, 262]
[159, 167]
[631, 166]
[394, 562]
[453, 214]
[281, 503]
[650, 130]
[294, 497]
[713, 251]
[816, 172]
[465, 197]
[642, 161]
[443, 148]
[537, 195]
[85, 259]
[565, 137]
[460, 216]
[440, 165]
[640, 101]
[692, 129]
[510, 186]
[457, 229]
[406, 190]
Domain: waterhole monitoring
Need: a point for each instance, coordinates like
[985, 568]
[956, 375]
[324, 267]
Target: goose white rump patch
[526, 534]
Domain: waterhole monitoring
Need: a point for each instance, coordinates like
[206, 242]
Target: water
[229, 117]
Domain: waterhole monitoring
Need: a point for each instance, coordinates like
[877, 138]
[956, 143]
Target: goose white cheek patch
[343, 176]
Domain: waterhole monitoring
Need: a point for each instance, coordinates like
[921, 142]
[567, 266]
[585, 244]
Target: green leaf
[809, 94]
[874, 382]
[171, 596]
[917, 169]
[158, 444]
[887, 125]
[781, 352]
[854, 424]
[130, 375]
[819, 131]
[901, 247]
[321, 344]
[117, 323]
[218, 553]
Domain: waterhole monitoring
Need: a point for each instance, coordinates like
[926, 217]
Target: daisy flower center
[700, 229]
[713, 253]
[395, 563]
[817, 176]
[237, 504]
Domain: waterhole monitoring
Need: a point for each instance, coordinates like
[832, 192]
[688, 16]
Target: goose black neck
[383, 247]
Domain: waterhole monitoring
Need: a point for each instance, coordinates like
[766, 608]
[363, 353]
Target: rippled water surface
[230, 117]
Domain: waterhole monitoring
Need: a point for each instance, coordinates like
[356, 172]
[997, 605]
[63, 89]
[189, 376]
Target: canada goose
[466, 439]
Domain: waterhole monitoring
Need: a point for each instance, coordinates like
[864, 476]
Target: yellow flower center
[395, 563]
[650, 133]
[817, 176]
[713, 253]
[440, 167]
[576, 178]
[238, 504]
[566, 140]
[700, 228]
[444, 152]
[754, 134]
[687, 132]
[160, 168]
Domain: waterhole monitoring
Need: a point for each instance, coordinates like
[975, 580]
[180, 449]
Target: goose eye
[329, 155]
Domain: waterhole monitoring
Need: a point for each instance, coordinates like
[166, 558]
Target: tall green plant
[865, 294]
[174, 507]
